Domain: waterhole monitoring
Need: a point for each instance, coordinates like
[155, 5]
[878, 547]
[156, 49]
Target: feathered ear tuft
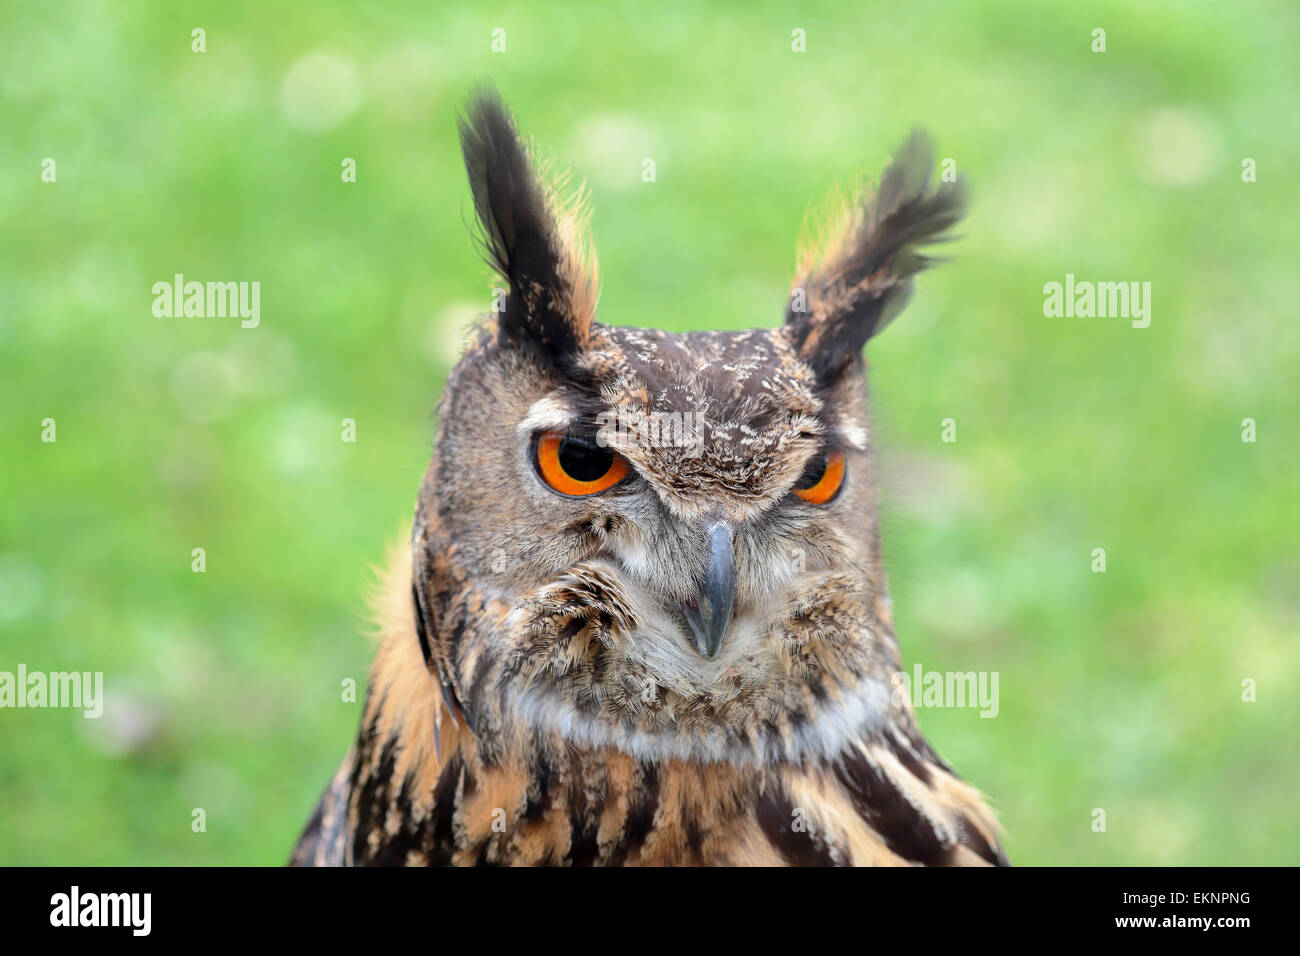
[846, 292]
[531, 238]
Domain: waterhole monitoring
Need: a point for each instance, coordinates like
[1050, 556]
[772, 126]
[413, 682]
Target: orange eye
[577, 467]
[822, 479]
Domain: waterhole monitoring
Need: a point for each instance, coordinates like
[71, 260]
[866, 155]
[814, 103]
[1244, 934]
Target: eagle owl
[645, 620]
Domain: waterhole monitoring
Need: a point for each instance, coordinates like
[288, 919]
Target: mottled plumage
[690, 667]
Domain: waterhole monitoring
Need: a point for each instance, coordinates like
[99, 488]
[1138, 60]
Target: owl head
[665, 543]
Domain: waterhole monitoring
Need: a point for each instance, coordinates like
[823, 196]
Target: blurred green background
[1120, 691]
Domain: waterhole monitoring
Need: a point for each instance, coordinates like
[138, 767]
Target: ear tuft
[532, 239]
[846, 292]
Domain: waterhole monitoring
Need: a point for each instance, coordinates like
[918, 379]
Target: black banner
[234, 905]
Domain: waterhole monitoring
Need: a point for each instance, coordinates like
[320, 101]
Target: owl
[644, 618]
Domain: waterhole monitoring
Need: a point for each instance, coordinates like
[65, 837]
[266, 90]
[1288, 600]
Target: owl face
[664, 543]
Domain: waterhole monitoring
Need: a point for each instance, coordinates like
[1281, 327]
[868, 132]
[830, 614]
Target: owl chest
[588, 813]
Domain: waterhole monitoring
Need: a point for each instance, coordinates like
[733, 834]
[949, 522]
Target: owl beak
[709, 613]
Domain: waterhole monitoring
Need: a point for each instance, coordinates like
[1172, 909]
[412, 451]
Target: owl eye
[577, 467]
[822, 479]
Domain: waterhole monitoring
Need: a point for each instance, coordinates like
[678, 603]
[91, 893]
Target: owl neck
[566, 682]
[428, 782]
[424, 787]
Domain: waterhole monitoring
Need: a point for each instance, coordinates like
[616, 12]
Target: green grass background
[1120, 691]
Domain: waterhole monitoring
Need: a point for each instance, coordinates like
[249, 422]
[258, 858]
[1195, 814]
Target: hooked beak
[709, 613]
